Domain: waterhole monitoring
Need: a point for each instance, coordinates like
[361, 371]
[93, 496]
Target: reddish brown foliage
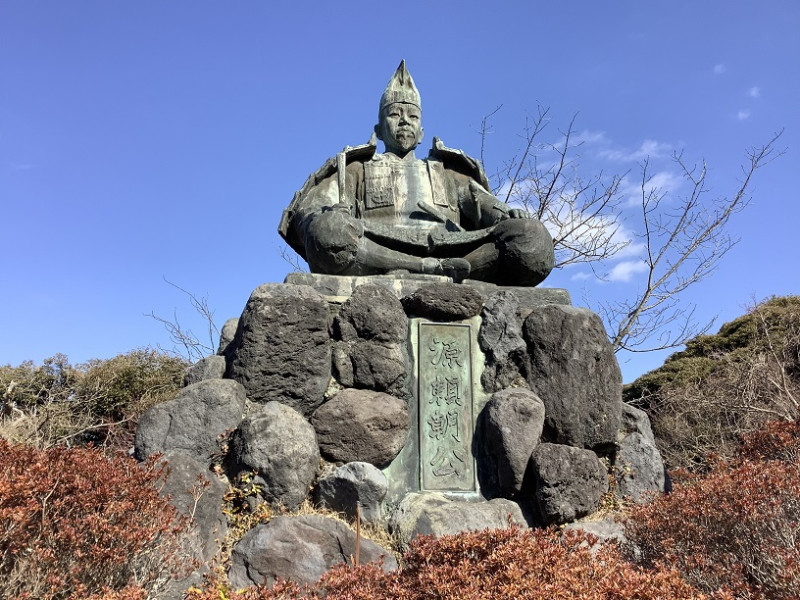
[778, 440]
[736, 528]
[505, 564]
[73, 521]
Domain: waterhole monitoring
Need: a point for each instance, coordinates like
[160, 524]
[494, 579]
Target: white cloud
[581, 276]
[754, 92]
[719, 69]
[625, 270]
[661, 182]
[648, 149]
[743, 114]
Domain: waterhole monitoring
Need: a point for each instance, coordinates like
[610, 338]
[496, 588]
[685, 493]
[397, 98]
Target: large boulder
[638, 468]
[278, 444]
[354, 484]
[192, 422]
[372, 312]
[281, 351]
[434, 513]
[371, 330]
[512, 426]
[210, 367]
[569, 482]
[226, 335]
[198, 495]
[361, 425]
[572, 368]
[299, 549]
[500, 338]
[444, 302]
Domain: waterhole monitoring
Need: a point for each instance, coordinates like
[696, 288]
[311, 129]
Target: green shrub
[74, 522]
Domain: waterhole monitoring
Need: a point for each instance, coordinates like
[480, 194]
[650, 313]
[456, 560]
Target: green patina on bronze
[445, 408]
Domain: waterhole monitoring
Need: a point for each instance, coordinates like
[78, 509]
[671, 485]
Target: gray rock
[372, 312]
[434, 513]
[513, 421]
[606, 531]
[299, 549]
[281, 446]
[383, 368]
[192, 422]
[351, 484]
[638, 468]
[569, 482]
[210, 367]
[362, 425]
[198, 494]
[444, 302]
[226, 335]
[500, 338]
[281, 351]
[572, 368]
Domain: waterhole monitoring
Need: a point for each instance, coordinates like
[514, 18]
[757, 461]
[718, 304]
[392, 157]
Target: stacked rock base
[423, 405]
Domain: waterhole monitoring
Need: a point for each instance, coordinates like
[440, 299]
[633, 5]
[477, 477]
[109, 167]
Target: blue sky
[143, 140]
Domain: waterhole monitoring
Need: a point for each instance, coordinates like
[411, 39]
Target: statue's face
[400, 128]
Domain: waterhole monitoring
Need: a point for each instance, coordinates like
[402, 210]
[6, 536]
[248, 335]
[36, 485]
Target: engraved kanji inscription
[445, 408]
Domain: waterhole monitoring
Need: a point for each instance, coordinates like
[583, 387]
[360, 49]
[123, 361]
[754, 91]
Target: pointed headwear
[401, 88]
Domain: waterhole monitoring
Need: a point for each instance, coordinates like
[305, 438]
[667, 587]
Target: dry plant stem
[683, 245]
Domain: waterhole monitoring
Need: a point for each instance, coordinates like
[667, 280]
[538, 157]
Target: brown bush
[736, 528]
[73, 522]
[512, 564]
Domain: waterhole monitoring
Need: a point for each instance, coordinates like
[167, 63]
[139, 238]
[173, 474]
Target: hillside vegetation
[721, 386]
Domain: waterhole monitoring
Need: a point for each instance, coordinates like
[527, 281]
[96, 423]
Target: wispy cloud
[661, 182]
[719, 69]
[581, 276]
[625, 270]
[754, 92]
[743, 114]
[648, 149]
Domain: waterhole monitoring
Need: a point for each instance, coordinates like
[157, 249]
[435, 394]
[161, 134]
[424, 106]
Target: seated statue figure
[365, 213]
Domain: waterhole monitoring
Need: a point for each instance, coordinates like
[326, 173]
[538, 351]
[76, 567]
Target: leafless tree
[684, 240]
[583, 215]
[187, 344]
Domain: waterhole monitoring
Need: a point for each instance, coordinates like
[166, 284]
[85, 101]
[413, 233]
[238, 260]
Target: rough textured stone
[605, 531]
[513, 420]
[192, 421]
[500, 338]
[638, 468]
[372, 313]
[362, 425]
[210, 367]
[569, 482]
[372, 328]
[572, 368]
[444, 302]
[351, 484]
[281, 350]
[226, 335]
[281, 446]
[434, 513]
[299, 549]
[197, 494]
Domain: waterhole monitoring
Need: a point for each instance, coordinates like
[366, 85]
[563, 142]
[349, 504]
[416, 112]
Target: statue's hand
[519, 213]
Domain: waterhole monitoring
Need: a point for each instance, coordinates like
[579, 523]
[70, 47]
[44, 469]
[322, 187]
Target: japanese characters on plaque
[445, 408]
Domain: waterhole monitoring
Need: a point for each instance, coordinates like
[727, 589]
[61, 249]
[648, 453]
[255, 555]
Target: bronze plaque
[445, 408]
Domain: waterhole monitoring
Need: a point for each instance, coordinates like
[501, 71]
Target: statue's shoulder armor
[335, 165]
[459, 161]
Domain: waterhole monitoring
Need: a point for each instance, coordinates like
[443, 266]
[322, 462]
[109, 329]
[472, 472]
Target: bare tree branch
[684, 244]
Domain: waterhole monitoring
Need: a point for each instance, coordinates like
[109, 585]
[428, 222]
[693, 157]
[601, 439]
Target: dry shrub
[724, 385]
[512, 563]
[736, 528]
[74, 521]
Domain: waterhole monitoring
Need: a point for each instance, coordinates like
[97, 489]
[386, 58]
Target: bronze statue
[364, 213]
